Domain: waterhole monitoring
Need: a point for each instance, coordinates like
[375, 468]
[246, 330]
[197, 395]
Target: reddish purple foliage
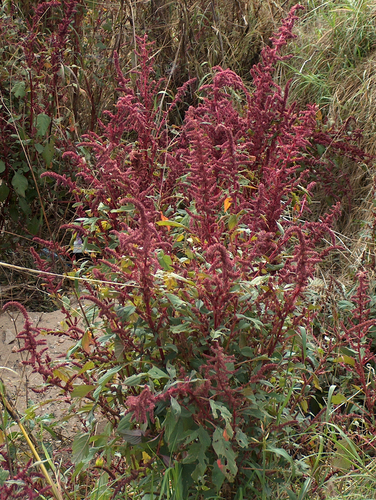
[212, 297]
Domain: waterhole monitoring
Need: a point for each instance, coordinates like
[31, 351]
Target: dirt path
[17, 377]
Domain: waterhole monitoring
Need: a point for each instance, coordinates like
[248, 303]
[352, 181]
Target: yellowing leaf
[304, 405]
[227, 203]
[348, 360]
[319, 115]
[316, 382]
[170, 283]
[63, 373]
[105, 225]
[225, 435]
[232, 222]
[87, 341]
[337, 399]
[145, 456]
[164, 219]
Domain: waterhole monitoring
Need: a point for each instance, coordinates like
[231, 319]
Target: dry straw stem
[64, 276]
[13, 413]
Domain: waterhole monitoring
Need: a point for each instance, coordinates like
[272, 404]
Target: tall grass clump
[334, 67]
[203, 365]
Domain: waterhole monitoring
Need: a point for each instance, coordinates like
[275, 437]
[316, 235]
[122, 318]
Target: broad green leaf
[241, 438]
[156, 373]
[2, 167]
[4, 191]
[217, 476]
[80, 391]
[131, 436]
[176, 301]
[125, 423]
[43, 122]
[119, 349]
[109, 374]
[248, 352]
[4, 474]
[87, 366]
[48, 151]
[18, 89]
[165, 261]
[220, 408]
[134, 379]
[20, 184]
[226, 455]
[34, 224]
[342, 458]
[175, 407]
[125, 312]
[24, 206]
[80, 447]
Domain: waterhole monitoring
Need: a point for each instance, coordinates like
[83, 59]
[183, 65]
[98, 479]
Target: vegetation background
[238, 362]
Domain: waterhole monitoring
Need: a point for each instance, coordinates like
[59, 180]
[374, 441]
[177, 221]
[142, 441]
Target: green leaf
[217, 476]
[131, 436]
[175, 301]
[221, 408]
[4, 474]
[232, 222]
[241, 438]
[34, 224]
[134, 379]
[80, 391]
[18, 89]
[175, 407]
[125, 312]
[170, 223]
[125, 423]
[248, 352]
[165, 261]
[4, 191]
[24, 206]
[343, 456]
[2, 167]
[109, 374]
[282, 453]
[20, 184]
[87, 366]
[119, 348]
[226, 454]
[48, 151]
[43, 122]
[80, 447]
[156, 373]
